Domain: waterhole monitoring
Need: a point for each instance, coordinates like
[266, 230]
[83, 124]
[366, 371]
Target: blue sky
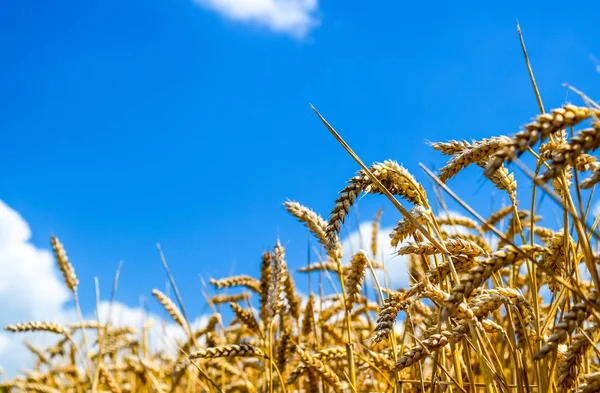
[127, 123]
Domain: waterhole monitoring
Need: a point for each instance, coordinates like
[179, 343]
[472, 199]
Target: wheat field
[502, 303]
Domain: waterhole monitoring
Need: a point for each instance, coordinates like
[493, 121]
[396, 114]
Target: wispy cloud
[294, 17]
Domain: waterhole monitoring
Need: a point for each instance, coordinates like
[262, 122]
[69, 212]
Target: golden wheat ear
[355, 277]
[64, 265]
[241, 350]
[541, 128]
[314, 222]
[37, 326]
[237, 281]
[317, 365]
[170, 307]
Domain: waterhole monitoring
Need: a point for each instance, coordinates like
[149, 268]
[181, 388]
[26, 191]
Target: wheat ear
[246, 317]
[278, 280]
[570, 367]
[37, 326]
[406, 228]
[545, 124]
[454, 247]
[237, 281]
[322, 369]
[64, 265]
[237, 297]
[354, 277]
[325, 355]
[266, 273]
[241, 350]
[568, 153]
[570, 321]
[484, 270]
[317, 226]
[171, 308]
[477, 152]
[111, 382]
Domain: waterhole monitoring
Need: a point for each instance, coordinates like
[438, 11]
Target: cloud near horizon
[293, 17]
[31, 289]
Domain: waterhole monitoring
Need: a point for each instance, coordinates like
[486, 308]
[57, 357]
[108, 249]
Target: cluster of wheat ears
[502, 305]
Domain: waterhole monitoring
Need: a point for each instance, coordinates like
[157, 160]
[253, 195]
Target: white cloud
[31, 289]
[163, 335]
[295, 17]
[395, 265]
[596, 210]
[29, 284]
